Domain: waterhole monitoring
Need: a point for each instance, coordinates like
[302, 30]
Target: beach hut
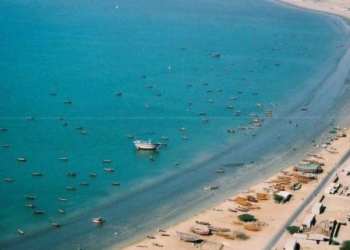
[317, 237]
[286, 195]
[300, 236]
[309, 220]
[317, 208]
[291, 244]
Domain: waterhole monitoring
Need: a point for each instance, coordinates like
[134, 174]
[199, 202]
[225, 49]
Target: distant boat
[30, 205]
[61, 211]
[56, 225]
[92, 174]
[62, 199]
[29, 197]
[210, 187]
[21, 159]
[106, 161]
[114, 183]
[97, 220]
[147, 145]
[38, 212]
[38, 174]
[9, 180]
[108, 169]
[20, 231]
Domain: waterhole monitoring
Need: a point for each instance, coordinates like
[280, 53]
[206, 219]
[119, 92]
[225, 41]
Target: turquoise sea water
[158, 55]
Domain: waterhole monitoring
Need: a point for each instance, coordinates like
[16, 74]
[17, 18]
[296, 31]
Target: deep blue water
[158, 56]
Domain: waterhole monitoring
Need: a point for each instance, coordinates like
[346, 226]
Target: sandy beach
[268, 231]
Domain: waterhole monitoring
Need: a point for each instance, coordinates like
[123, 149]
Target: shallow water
[158, 56]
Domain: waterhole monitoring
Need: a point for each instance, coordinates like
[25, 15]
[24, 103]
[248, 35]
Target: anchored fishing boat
[147, 145]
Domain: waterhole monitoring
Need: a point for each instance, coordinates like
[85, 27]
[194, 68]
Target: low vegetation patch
[241, 236]
[246, 217]
[293, 229]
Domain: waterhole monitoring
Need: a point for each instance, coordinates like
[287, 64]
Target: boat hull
[146, 145]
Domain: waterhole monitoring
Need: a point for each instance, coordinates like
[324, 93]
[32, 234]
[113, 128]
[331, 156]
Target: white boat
[148, 145]
[97, 220]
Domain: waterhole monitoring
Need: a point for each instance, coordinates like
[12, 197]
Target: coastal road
[306, 202]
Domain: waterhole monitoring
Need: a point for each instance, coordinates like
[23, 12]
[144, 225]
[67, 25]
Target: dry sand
[270, 216]
[337, 7]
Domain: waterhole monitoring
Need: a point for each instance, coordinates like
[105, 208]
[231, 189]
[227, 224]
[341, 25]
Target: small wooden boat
[189, 237]
[83, 183]
[202, 223]
[29, 197]
[71, 174]
[9, 180]
[232, 210]
[108, 169]
[20, 232]
[68, 102]
[182, 129]
[200, 229]
[92, 174]
[61, 211]
[83, 132]
[210, 187]
[62, 199]
[63, 159]
[5, 145]
[220, 170]
[37, 174]
[242, 208]
[38, 212]
[21, 159]
[56, 225]
[97, 220]
[30, 205]
[71, 188]
[106, 161]
[114, 183]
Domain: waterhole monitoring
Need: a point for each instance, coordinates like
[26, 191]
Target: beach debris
[262, 196]
[252, 227]
[156, 244]
[229, 236]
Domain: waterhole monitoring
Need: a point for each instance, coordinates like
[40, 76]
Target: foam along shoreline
[222, 216]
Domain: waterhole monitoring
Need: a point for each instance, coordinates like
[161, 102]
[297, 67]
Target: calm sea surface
[83, 79]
